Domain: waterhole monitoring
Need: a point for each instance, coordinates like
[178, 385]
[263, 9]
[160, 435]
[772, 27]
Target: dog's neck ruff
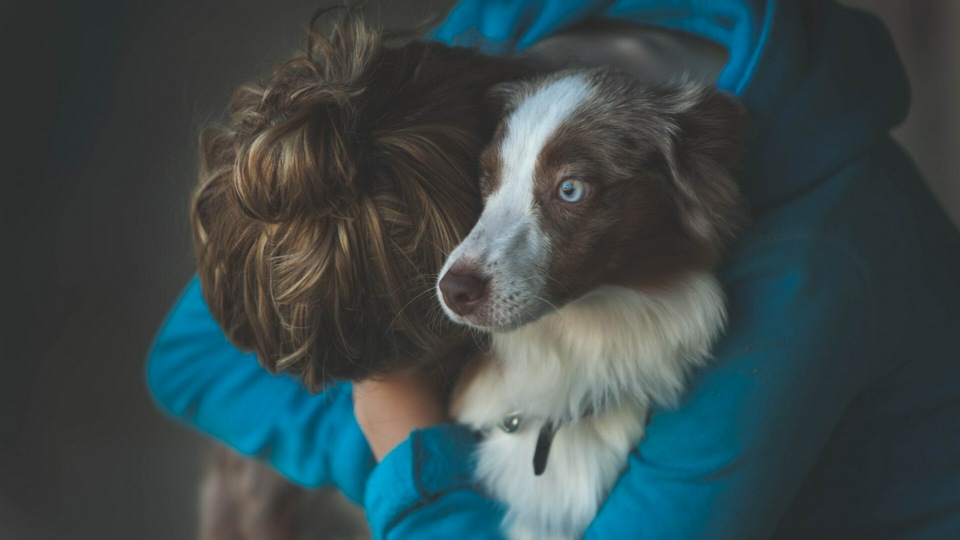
[614, 345]
[594, 367]
[612, 348]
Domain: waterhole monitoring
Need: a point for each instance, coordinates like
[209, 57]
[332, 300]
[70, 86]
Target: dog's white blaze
[529, 128]
[508, 238]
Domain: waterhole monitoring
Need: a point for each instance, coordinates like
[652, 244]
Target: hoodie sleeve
[197, 376]
[424, 488]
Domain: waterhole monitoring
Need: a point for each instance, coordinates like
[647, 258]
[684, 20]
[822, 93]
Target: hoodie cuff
[430, 463]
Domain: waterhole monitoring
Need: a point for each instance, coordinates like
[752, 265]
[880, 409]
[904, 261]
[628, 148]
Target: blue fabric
[404, 489]
[832, 406]
[195, 374]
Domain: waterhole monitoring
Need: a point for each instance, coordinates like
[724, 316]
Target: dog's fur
[599, 307]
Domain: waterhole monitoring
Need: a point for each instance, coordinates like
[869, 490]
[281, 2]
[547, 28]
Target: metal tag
[544, 440]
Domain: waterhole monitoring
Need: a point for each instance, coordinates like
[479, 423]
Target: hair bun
[301, 157]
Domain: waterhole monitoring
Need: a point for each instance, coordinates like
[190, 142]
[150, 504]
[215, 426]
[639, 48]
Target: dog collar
[512, 422]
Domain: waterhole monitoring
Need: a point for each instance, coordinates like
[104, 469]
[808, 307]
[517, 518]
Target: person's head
[328, 202]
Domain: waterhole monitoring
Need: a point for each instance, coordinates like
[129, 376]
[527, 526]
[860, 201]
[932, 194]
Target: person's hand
[389, 408]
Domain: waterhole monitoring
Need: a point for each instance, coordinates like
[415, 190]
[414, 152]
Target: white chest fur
[614, 352]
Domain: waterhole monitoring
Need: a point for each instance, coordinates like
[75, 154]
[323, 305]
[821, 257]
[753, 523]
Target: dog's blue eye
[572, 190]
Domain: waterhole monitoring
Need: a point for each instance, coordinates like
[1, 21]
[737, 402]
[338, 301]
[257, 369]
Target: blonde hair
[330, 199]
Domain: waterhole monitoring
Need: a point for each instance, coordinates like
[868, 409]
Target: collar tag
[544, 441]
[511, 422]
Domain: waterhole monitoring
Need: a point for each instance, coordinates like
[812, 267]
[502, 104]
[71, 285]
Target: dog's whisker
[479, 339]
[438, 247]
[556, 310]
[423, 277]
[412, 300]
[435, 317]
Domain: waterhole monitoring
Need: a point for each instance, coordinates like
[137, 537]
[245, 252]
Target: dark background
[101, 105]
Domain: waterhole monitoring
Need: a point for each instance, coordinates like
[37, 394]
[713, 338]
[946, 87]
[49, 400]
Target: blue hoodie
[833, 405]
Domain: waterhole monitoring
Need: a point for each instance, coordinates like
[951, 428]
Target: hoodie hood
[821, 82]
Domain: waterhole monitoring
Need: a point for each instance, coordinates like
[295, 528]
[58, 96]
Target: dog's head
[594, 178]
[329, 201]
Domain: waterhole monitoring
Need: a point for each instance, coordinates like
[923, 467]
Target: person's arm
[389, 408]
[196, 375]
[730, 460]
[425, 488]
[411, 494]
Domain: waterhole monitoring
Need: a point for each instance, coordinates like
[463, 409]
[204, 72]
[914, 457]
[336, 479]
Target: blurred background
[102, 105]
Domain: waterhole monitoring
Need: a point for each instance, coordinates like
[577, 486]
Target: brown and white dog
[608, 202]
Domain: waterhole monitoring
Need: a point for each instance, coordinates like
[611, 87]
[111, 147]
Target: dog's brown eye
[572, 190]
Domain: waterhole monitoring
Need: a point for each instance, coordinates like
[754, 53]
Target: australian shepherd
[608, 202]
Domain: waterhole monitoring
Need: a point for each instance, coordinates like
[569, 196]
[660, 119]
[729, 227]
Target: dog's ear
[501, 99]
[703, 155]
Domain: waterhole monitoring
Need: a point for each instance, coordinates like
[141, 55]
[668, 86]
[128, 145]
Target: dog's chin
[489, 319]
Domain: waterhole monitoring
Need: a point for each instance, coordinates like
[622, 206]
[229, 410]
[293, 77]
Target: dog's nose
[462, 292]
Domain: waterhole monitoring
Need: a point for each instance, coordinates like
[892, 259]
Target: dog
[608, 202]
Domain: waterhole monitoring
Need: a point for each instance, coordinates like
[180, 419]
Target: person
[831, 407]
[326, 202]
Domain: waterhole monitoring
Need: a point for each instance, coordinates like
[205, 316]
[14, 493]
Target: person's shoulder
[808, 253]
